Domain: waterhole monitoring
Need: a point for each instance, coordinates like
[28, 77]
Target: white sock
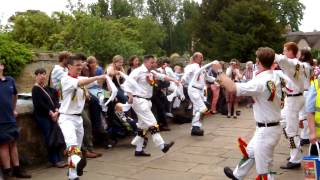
[161, 146]
[139, 147]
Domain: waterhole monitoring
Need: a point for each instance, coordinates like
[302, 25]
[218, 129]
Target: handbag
[311, 163]
[56, 139]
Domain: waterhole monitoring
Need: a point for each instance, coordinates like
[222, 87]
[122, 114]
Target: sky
[309, 23]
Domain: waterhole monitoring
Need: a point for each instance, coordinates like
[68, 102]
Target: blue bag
[311, 163]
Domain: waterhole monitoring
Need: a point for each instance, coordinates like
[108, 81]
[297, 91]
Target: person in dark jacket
[46, 103]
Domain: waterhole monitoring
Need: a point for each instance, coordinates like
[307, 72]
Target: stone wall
[41, 60]
[31, 145]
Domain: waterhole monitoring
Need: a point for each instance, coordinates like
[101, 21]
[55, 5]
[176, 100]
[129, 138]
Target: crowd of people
[79, 104]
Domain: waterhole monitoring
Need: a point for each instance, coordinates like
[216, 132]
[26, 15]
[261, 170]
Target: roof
[312, 38]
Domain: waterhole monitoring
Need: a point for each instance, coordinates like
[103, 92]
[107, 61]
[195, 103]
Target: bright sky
[9, 7]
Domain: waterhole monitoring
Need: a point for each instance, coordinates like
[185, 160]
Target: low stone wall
[31, 144]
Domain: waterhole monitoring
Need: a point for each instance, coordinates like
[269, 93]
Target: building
[305, 39]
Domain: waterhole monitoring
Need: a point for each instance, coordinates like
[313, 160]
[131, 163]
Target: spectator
[233, 73]
[46, 103]
[112, 71]
[178, 70]
[134, 62]
[316, 68]
[248, 72]
[215, 88]
[87, 145]
[59, 70]
[8, 127]
[247, 76]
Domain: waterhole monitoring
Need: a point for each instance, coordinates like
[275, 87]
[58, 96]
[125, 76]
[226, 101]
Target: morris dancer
[265, 88]
[196, 90]
[294, 102]
[70, 121]
[307, 61]
[141, 104]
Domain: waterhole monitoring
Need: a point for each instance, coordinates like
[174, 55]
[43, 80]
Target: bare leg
[14, 154]
[5, 155]
[229, 108]
[235, 107]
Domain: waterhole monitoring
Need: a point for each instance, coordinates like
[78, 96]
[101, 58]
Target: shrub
[14, 55]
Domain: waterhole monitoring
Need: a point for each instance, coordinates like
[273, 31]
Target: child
[128, 123]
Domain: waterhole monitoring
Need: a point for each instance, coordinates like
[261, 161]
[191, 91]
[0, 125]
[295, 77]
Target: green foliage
[101, 8]
[239, 29]
[121, 8]
[32, 27]
[14, 55]
[219, 28]
[315, 54]
[288, 12]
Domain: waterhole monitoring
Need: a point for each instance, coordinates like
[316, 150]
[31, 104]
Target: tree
[184, 30]
[14, 55]
[32, 27]
[288, 12]
[121, 8]
[137, 7]
[165, 11]
[101, 8]
[239, 29]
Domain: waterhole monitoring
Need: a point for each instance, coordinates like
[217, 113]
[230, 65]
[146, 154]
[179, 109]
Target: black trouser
[159, 107]
[95, 113]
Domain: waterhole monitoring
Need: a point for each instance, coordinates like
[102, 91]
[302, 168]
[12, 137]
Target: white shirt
[264, 111]
[140, 75]
[189, 71]
[71, 104]
[294, 85]
[200, 77]
[170, 72]
[307, 73]
[57, 73]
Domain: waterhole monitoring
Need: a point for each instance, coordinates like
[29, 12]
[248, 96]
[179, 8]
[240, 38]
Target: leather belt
[294, 95]
[149, 99]
[197, 88]
[267, 124]
[72, 114]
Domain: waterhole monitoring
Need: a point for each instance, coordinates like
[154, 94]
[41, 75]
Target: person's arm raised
[86, 81]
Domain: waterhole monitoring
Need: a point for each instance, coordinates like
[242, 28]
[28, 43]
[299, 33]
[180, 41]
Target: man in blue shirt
[8, 127]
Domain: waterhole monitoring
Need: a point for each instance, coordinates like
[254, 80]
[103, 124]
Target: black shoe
[228, 116]
[196, 131]
[19, 173]
[229, 173]
[167, 147]
[141, 153]
[81, 165]
[234, 117]
[304, 142]
[75, 179]
[291, 165]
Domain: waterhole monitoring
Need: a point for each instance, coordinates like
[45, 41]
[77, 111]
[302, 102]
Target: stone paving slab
[191, 158]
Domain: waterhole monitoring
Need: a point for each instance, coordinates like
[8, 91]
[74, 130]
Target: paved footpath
[191, 158]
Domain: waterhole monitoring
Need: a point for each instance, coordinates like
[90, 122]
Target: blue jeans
[45, 124]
